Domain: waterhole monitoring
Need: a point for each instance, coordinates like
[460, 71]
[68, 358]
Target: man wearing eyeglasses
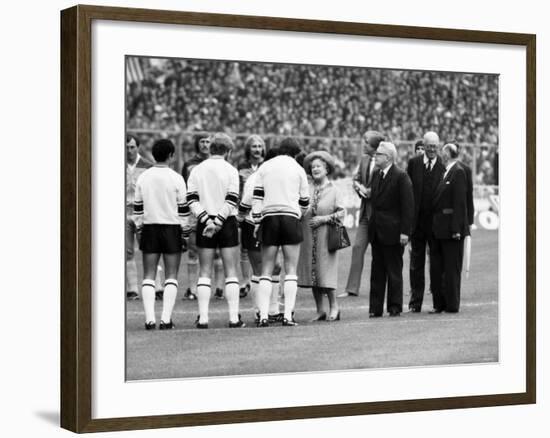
[390, 227]
[425, 172]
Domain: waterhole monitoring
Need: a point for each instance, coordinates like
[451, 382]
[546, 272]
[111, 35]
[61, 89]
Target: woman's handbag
[337, 236]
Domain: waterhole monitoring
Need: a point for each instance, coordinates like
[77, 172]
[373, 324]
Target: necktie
[371, 167]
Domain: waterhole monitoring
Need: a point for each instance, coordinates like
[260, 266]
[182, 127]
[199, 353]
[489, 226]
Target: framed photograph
[307, 219]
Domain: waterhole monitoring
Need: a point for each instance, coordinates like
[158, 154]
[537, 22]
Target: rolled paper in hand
[467, 254]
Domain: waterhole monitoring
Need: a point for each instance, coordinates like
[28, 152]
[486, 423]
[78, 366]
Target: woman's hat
[322, 155]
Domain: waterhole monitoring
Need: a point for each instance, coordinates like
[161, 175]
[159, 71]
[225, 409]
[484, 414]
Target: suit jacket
[450, 205]
[189, 165]
[469, 192]
[362, 176]
[132, 175]
[392, 203]
[415, 170]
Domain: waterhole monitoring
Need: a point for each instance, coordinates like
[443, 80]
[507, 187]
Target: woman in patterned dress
[317, 267]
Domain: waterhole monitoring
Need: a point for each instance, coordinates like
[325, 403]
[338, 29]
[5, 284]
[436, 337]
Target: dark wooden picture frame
[76, 218]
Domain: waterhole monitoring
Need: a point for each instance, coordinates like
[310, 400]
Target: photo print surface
[245, 183]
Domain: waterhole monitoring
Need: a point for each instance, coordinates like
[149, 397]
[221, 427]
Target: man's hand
[316, 221]
[210, 229]
[138, 235]
[403, 239]
[456, 236]
[256, 231]
[361, 190]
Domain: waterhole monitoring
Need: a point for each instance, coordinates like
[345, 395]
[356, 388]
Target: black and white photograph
[289, 218]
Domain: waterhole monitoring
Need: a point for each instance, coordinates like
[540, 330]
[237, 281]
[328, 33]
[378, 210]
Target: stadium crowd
[325, 102]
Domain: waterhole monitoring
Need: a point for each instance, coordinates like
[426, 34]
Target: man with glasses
[425, 172]
[390, 227]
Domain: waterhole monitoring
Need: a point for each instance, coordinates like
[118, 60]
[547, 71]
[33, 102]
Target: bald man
[390, 228]
[361, 184]
[425, 172]
[450, 226]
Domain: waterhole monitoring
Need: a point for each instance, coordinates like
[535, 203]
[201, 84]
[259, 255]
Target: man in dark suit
[469, 187]
[425, 172]
[390, 227]
[450, 226]
[361, 184]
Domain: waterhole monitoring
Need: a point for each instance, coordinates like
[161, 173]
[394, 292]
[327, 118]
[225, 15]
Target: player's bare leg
[246, 266]
[255, 258]
[274, 305]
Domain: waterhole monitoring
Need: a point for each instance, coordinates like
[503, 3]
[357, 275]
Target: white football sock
[264, 294]
[254, 291]
[148, 297]
[169, 299]
[232, 297]
[290, 288]
[274, 299]
[203, 297]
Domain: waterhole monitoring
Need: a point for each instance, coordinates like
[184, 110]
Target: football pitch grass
[354, 342]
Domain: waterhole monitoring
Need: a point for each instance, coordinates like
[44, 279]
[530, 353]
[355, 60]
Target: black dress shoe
[375, 315]
[263, 323]
[166, 325]
[395, 313]
[289, 322]
[150, 325]
[414, 310]
[346, 294]
[239, 324]
[321, 317]
[275, 317]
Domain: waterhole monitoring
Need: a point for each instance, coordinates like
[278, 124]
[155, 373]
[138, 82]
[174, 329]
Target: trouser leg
[393, 255]
[436, 274]
[416, 271]
[358, 257]
[377, 280]
[453, 250]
